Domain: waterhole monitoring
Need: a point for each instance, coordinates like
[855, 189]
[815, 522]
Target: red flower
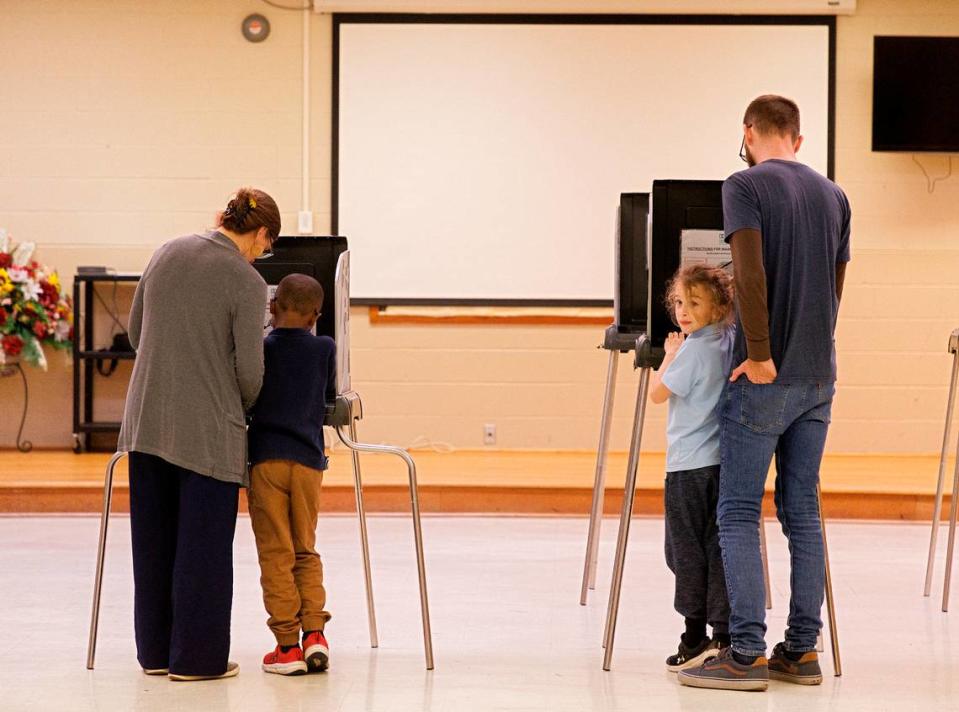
[48, 294]
[5, 260]
[12, 345]
[40, 329]
[3, 316]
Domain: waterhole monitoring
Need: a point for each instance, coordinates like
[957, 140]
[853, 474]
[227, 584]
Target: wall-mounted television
[915, 94]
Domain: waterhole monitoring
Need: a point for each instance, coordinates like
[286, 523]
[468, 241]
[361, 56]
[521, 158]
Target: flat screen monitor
[915, 94]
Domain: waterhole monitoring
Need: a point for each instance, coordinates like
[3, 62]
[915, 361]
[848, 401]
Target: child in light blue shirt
[691, 377]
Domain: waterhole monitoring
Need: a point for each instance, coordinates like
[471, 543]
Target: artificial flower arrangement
[33, 309]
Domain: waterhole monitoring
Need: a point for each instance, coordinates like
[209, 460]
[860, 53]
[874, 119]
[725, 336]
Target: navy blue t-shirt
[804, 221]
[287, 420]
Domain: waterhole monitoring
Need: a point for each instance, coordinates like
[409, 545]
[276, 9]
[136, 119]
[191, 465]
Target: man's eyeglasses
[268, 252]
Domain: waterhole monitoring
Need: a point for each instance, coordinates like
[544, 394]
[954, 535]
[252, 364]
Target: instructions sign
[705, 247]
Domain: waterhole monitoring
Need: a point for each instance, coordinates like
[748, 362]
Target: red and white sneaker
[289, 663]
[316, 651]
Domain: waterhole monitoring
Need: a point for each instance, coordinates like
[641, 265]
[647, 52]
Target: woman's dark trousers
[182, 527]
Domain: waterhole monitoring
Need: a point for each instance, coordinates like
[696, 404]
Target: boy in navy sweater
[287, 457]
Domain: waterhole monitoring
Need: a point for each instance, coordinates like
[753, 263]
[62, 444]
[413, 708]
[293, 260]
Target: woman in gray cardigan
[197, 327]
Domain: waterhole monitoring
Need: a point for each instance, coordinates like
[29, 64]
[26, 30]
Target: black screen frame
[339, 19]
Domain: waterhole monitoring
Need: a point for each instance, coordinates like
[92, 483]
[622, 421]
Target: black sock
[288, 648]
[695, 632]
[744, 659]
[793, 655]
[722, 638]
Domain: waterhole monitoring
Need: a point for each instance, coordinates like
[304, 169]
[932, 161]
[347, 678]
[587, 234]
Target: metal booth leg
[599, 483]
[417, 529]
[765, 554]
[101, 553]
[364, 540]
[950, 549]
[830, 601]
[937, 511]
[629, 494]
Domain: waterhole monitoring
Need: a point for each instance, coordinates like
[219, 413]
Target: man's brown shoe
[724, 672]
[805, 671]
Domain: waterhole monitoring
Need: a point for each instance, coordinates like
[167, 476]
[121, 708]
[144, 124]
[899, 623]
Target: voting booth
[685, 225]
[326, 259]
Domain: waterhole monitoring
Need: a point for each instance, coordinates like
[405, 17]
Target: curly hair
[717, 282]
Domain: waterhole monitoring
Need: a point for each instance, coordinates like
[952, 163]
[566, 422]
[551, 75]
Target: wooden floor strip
[854, 486]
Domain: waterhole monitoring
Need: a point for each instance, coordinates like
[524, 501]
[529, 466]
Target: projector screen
[482, 162]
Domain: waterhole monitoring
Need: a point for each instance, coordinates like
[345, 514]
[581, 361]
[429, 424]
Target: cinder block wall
[125, 124]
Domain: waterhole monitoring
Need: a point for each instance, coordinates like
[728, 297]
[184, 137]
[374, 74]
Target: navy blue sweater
[287, 420]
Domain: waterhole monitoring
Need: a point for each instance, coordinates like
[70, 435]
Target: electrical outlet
[304, 222]
[489, 434]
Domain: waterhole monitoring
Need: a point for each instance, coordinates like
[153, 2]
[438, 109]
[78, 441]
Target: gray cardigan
[197, 326]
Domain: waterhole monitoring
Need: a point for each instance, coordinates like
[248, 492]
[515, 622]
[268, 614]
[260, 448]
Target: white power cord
[421, 442]
[931, 182]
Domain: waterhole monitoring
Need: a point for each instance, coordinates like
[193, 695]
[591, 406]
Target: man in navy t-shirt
[286, 452]
[788, 228]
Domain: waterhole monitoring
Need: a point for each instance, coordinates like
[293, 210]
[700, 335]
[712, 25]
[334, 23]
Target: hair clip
[252, 203]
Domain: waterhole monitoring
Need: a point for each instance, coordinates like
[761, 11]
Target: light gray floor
[509, 633]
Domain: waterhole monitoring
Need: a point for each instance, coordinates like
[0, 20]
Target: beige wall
[126, 123]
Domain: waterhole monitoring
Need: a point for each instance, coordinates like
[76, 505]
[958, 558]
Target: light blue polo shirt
[696, 378]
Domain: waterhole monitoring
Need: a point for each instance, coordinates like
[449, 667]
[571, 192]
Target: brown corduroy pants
[284, 501]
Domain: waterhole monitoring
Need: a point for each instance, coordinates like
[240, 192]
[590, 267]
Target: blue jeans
[788, 420]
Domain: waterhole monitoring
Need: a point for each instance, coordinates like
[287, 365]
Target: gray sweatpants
[692, 546]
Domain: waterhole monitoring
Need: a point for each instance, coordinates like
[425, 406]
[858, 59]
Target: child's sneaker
[804, 671]
[316, 651]
[289, 663]
[687, 657]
